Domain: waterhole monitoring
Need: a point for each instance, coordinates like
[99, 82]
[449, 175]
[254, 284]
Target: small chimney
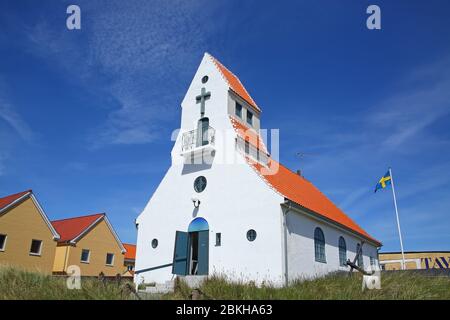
[299, 172]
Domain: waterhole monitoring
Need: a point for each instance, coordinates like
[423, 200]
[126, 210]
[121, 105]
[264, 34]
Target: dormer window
[238, 110]
[249, 118]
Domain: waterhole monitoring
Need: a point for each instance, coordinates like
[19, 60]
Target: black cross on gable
[201, 99]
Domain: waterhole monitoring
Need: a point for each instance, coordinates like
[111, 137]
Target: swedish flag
[384, 181]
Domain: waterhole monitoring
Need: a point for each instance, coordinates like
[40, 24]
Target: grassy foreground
[398, 286]
[16, 284]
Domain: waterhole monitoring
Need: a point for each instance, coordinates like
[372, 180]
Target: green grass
[19, 284]
[397, 286]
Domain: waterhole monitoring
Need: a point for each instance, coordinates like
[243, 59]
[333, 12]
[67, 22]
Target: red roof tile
[294, 187]
[70, 228]
[235, 84]
[299, 190]
[131, 251]
[6, 201]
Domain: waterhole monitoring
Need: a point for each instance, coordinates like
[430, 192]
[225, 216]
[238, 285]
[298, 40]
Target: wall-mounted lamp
[196, 202]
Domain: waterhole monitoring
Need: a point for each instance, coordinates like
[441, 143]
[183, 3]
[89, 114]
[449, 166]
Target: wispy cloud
[352, 198]
[402, 122]
[351, 153]
[11, 124]
[131, 48]
[408, 114]
[11, 117]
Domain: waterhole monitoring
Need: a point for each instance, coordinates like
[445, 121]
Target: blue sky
[86, 116]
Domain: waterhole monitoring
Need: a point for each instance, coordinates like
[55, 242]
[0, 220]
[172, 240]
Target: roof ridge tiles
[84, 216]
[244, 94]
[319, 202]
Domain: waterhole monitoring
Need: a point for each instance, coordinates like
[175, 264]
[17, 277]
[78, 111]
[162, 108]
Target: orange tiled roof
[6, 201]
[289, 184]
[294, 187]
[299, 190]
[131, 251]
[70, 228]
[235, 84]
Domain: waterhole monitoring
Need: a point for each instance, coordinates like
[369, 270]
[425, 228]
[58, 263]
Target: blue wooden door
[180, 254]
[203, 252]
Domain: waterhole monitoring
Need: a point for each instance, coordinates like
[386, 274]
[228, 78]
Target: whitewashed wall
[234, 201]
[300, 240]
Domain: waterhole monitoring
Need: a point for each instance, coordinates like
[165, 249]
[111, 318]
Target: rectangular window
[36, 247]
[2, 242]
[85, 255]
[130, 267]
[238, 109]
[218, 239]
[249, 118]
[110, 259]
[247, 147]
[372, 262]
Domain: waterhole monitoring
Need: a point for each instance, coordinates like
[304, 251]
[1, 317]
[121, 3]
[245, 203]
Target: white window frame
[247, 147]
[112, 261]
[2, 249]
[248, 119]
[218, 239]
[318, 249]
[373, 261]
[236, 104]
[40, 248]
[88, 258]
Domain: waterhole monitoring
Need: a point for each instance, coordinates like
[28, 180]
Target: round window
[154, 243]
[205, 79]
[251, 235]
[200, 184]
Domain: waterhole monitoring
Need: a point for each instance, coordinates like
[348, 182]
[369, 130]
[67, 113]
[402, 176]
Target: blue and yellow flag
[384, 181]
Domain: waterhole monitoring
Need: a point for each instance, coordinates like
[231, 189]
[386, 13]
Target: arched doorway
[191, 254]
[198, 246]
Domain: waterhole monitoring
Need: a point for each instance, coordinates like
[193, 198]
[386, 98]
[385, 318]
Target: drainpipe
[286, 269]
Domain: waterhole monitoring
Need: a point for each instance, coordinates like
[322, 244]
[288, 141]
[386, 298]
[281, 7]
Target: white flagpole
[398, 220]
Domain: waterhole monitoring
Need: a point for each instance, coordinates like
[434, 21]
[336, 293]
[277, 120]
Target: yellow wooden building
[30, 241]
[415, 260]
[130, 259]
[90, 243]
[27, 238]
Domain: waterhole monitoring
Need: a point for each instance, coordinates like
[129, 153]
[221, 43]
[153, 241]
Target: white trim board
[30, 194]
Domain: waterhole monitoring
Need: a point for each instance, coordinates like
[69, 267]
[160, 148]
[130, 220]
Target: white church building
[226, 206]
